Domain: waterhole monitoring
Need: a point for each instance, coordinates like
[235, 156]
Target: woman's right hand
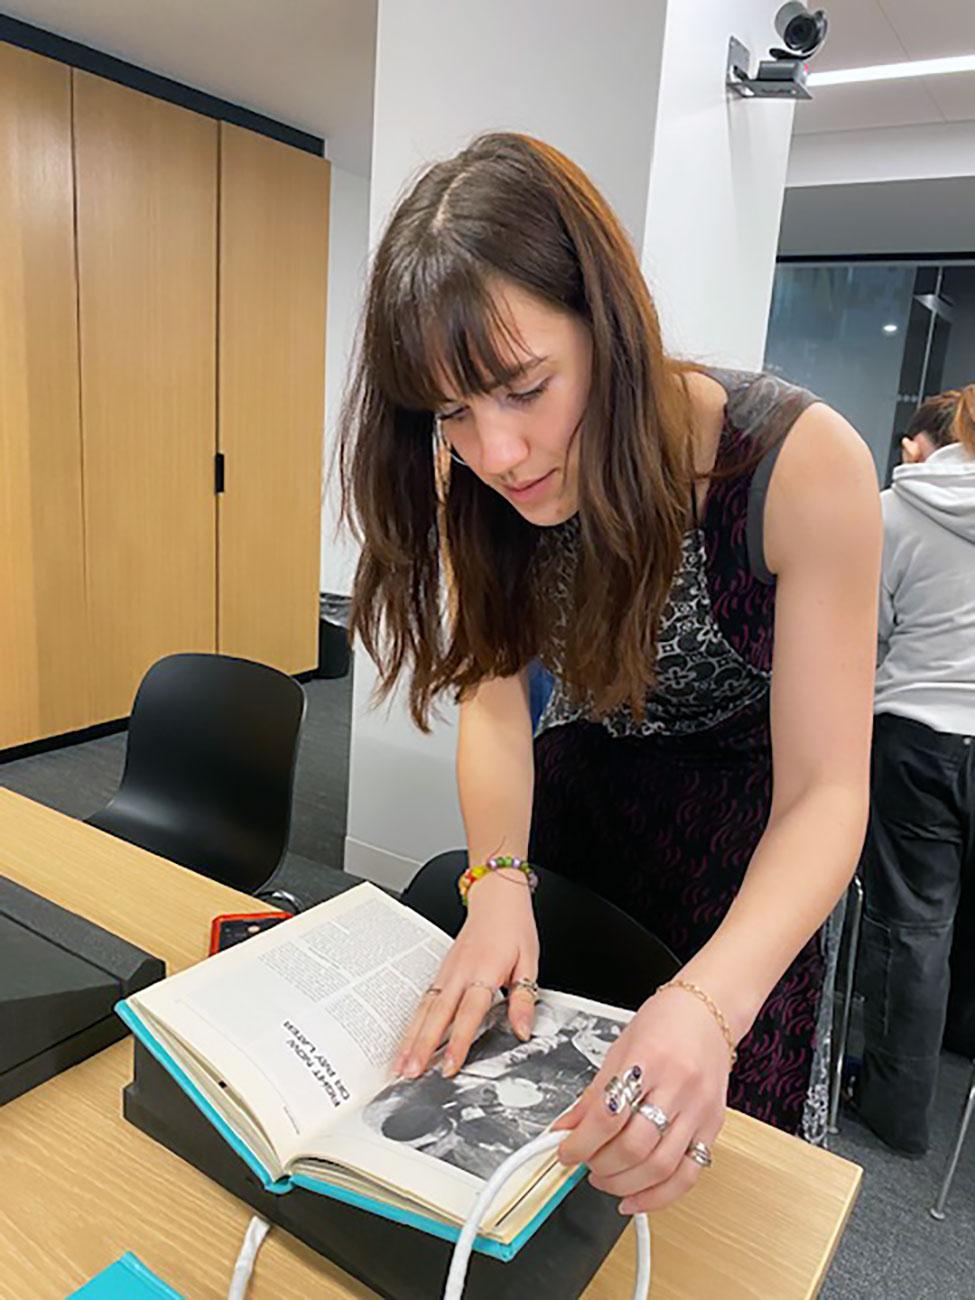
[496, 947]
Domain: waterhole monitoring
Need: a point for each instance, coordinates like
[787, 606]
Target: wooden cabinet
[147, 262]
[273, 271]
[43, 642]
[162, 298]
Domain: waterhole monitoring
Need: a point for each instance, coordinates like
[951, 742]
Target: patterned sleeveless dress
[661, 815]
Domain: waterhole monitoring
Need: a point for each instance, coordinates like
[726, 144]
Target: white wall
[896, 189]
[890, 153]
[716, 183]
[348, 251]
[586, 77]
[579, 74]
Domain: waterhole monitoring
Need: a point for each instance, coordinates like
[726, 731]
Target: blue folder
[126, 1279]
[279, 1186]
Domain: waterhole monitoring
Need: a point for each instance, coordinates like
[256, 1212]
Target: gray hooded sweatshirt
[926, 662]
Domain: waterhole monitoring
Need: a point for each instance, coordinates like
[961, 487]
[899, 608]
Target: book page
[303, 1021]
[438, 1139]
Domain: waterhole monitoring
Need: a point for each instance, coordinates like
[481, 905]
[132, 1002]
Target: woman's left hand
[684, 1063]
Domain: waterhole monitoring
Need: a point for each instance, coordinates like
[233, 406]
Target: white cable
[641, 1286]
[257, 1230]
[462, 1251]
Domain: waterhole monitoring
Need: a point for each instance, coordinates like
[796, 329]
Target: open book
[286, 1044]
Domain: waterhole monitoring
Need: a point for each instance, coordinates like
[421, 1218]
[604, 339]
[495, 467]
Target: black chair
[209, 767]
[588, 946]
[960, 1028]
[852, 904]
[937, 1210]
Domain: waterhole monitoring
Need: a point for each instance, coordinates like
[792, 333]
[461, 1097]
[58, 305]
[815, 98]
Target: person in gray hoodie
[921, 841]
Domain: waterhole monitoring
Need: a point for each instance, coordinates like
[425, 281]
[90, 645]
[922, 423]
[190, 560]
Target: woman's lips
[531, 489]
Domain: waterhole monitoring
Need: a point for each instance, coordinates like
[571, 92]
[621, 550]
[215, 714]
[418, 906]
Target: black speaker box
[60, 977]
[395, 1260]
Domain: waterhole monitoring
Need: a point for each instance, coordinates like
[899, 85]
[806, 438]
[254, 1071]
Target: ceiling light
[894, 71]
[890, 328]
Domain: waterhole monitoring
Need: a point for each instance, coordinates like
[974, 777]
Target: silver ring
[624, 1092]
[434, 989]
[526, 986]
[479, 984]
[700, 1153]
[655, 1115]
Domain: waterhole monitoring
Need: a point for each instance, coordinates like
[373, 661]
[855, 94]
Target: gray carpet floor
[892, 1249]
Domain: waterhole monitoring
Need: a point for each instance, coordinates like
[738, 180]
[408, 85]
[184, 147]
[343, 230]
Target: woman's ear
[917, 449]
[912, 453]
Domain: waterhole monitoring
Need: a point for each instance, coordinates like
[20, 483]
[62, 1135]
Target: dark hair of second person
[949, 417]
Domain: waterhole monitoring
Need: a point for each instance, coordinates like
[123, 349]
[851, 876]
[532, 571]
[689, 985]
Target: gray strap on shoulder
[767, 407]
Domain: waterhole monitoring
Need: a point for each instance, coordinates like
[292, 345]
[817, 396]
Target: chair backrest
[589, 946]
[209, 767]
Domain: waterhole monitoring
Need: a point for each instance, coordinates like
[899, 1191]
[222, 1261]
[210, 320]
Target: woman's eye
[524, 399]
[453, 415]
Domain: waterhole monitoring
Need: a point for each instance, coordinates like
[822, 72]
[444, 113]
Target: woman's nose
[503, 448]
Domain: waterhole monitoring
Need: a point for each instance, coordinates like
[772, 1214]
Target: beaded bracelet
[712, 1006]
[473, 874]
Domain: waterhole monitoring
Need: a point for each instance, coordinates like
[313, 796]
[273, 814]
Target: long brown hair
[514, 209]
[947, 418]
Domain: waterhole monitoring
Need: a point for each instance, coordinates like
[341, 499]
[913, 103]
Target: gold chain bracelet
[712, 1006]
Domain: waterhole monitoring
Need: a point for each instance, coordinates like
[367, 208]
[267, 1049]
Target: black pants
[919, 851]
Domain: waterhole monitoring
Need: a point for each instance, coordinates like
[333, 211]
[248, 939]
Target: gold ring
[433, 989]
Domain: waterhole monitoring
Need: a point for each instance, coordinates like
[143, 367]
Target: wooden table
[79, 1186]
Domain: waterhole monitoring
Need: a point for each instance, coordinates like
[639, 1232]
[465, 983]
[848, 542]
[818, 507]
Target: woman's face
[522, 440]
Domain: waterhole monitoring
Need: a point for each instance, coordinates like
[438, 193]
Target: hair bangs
[453, 338]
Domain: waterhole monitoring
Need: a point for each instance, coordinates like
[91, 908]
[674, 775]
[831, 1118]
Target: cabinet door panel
[43, 668]
[147, 179]
[273, 269]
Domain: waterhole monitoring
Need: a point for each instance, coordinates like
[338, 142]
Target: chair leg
[937, 1210]
[839, 1055]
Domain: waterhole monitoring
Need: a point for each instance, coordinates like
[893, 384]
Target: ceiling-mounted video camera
[802, 31]
[783, 75]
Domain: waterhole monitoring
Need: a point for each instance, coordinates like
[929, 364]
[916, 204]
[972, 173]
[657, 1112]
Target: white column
[716, 187]
[614, 85]
[348, 254]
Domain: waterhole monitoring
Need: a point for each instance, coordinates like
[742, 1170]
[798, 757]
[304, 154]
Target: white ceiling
[308, 63]
[862, 32]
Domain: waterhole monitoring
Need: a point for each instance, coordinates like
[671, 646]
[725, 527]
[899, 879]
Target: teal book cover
[280, 1186]
[127, 1279]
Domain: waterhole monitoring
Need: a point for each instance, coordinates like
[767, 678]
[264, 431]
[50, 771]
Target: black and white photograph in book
[507, 1093]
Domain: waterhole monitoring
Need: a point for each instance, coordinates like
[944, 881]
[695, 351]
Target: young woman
[515, 427]
[921, 847]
